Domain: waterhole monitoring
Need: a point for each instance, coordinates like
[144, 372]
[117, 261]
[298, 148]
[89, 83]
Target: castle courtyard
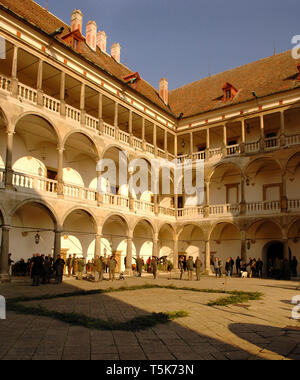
[259, 329]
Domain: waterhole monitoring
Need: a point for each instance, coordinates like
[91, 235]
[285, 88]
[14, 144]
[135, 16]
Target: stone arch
[222, 221]
[147, 220]
[4, 119]
[191, 241]
[143, 238]
[86, 134]
[81, 208]
[121, 216]
[263, 158]
[220, 164]
[45, 205]
[166, 238]
[44, 117]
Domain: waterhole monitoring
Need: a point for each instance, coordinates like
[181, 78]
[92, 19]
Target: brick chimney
[101, 40]
[91, 35]
[163, 90]
[76, 20]
[116, 52]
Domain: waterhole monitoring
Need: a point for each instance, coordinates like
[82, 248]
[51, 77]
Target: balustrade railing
[216, 152]
[51, 104]
[292, 140]
[27, 93]
[150, 148]
[109, 130]
[167, 211]
[294, 204]
[124, 137]
[252, 147]
[73, 113]
[142, 206]
[75, 191]
[161, 153]
[91, 122]
[233, 150]
[272, 143]
[226, 209]
[116, 200]
[199, 156]
[190, 212]
[34, 182]
[263, 207]
[5, 83]
[137, 143]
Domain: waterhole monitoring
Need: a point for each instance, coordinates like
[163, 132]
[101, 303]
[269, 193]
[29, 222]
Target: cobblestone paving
[258, 330]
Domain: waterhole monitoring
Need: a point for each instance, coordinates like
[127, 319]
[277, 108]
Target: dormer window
[229, 92]
[73, 39]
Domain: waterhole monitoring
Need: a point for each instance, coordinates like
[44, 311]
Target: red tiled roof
[265, 77]
[48, 22]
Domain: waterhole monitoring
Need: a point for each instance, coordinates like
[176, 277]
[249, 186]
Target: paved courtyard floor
[257, 330]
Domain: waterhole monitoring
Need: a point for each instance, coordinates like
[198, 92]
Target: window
[229, 92]
[75, 44]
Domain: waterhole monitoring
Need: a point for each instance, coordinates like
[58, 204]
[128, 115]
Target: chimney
[76, 20]
[101, 40]
[163, 90]
[91, 35]
[116, 52]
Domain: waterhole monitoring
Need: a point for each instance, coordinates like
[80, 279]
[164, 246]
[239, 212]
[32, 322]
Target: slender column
[262, 133]
[57, 244]
[166, 144]
[8, 165]
[243, 198]
[82, 103]
[207, 199]
[282, 129]
[97, 245]
[129, 255]
[130, 128]
[155, 138]
[175, 145]
[100, 112]
[191, 145]
[243, 128]
[4, 275]
[207, 257]
[155, 246]
[284, 199]
[143, 134]
[62, 93]
[60, 175]
[224, 141]
[14, 72]
[116, 120]
[243, 247]
[175, 257]
[39, 84]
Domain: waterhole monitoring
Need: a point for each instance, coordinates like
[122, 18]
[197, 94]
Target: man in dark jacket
[112, 268]
[139, 266]
[198, 265]
[37, 270]
[190, 267]
[154, 267]
[58, 268]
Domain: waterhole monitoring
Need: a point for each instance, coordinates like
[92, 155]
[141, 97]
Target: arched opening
[166, 243]
[260, 236]
[35, 157]
[191, 242]
[78, 236]
[143, 241]
[264, 185]
[32, 231]
[114, 240]
[225, 189]
[225, 242]
[79, 166]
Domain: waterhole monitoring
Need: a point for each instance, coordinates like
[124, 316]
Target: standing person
[170, 267]
[294, 267]
[231, 266]
[10, 262]
[58, 267]
[36, 270]
[98, 268]
[80, 265]
[198, 265]
[47, 271]
[74, 265]
[228, 267]
[112, 268]
[154, 267]
[238, 265]
[220, 268]
[139, 266]
[105, 260]
[259, 268]
[148, 262]
[181, 267]
[190, 268]
[217, 267]
[69, 265]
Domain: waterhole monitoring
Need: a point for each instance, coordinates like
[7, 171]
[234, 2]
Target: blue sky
[185, 40]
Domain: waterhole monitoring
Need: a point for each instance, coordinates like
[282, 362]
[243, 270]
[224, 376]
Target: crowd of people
[43, 268]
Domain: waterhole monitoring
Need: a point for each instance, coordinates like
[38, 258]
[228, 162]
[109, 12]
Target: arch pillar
[129, 255]
[207, 258]
[155, 246]
[243, 246]
[284, 200]
[8, 165]
[60, 180]
[98, 238]
[175, 255]
[4, 273]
